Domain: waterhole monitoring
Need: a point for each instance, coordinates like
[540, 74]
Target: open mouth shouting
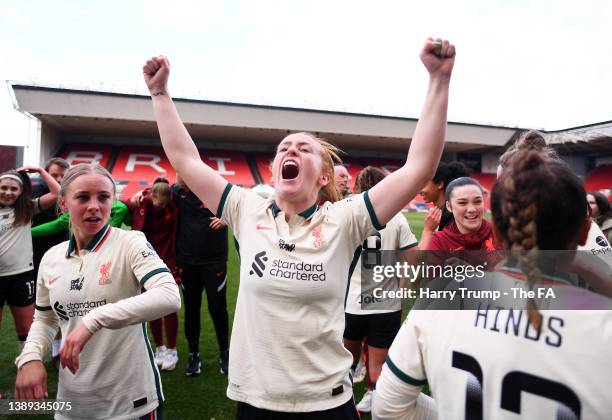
[290, 169]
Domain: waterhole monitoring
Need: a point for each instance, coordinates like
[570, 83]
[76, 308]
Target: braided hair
[537, 204]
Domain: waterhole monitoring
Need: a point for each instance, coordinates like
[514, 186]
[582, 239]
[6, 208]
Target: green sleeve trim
[58, 225]
[401, 375]
[403, 248]
[42, 308]
[237, 245]
[356, 256]
[226, 191]
[371, 212]
[152, 273]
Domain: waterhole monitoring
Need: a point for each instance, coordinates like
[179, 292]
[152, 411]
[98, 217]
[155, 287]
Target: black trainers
[223, 362]
[193, 365]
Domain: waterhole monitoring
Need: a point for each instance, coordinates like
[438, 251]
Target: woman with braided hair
[503, 362]
[596, 244]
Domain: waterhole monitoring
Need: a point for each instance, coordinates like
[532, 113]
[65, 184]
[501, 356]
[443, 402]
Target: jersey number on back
[513, 384]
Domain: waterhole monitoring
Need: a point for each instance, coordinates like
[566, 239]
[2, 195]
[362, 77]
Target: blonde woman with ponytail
[287, 359]
[513, 359]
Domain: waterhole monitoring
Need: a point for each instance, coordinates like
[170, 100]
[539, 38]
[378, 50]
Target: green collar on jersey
[306, 214]
[95, 242]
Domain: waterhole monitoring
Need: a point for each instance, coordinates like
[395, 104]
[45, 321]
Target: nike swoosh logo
[51, 281]
[260, 227]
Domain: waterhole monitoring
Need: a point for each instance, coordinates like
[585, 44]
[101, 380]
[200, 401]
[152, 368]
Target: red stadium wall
[135, 167]
[599, 179]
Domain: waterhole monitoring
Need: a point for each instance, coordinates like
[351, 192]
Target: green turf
[201, 397]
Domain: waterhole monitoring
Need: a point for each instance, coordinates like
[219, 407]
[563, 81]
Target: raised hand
[31, 381]
[30, 169]
[438, 57]
[156, 72]
[432, 220]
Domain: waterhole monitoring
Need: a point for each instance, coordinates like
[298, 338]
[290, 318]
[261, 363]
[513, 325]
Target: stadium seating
[599, 179]
[135, 167]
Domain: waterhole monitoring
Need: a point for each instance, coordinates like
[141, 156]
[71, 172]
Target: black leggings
[346, 411]
[195, 279]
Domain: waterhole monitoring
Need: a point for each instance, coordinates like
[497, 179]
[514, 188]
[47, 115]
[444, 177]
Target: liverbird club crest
[105, 273]
[319, 240]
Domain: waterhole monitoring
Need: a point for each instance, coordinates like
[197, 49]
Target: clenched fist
[156, 72]
[438, 56]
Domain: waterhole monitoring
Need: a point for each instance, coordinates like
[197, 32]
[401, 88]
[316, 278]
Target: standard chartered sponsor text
[297, 271]
[83, 308]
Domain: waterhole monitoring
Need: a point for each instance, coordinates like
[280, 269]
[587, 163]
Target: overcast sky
[525, 63]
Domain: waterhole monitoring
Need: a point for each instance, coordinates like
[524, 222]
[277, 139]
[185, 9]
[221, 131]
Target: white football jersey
[15, 243]
[492, 364]
[597, 244]
[395, 236]
[286, 352]
[117, 377]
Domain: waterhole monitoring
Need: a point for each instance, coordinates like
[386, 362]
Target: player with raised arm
[286, 354]
[17, 278]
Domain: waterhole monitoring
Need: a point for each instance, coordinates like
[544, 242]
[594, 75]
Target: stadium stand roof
[589, 140]
[234, 125]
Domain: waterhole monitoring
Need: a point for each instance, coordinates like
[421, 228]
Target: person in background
[435, 192]
[119, 217]
[201, 251]
[601, 212]
[56, 167]
[155, 214]
[342, 178]
[469, 231]
[378, 325]
[17, 284]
